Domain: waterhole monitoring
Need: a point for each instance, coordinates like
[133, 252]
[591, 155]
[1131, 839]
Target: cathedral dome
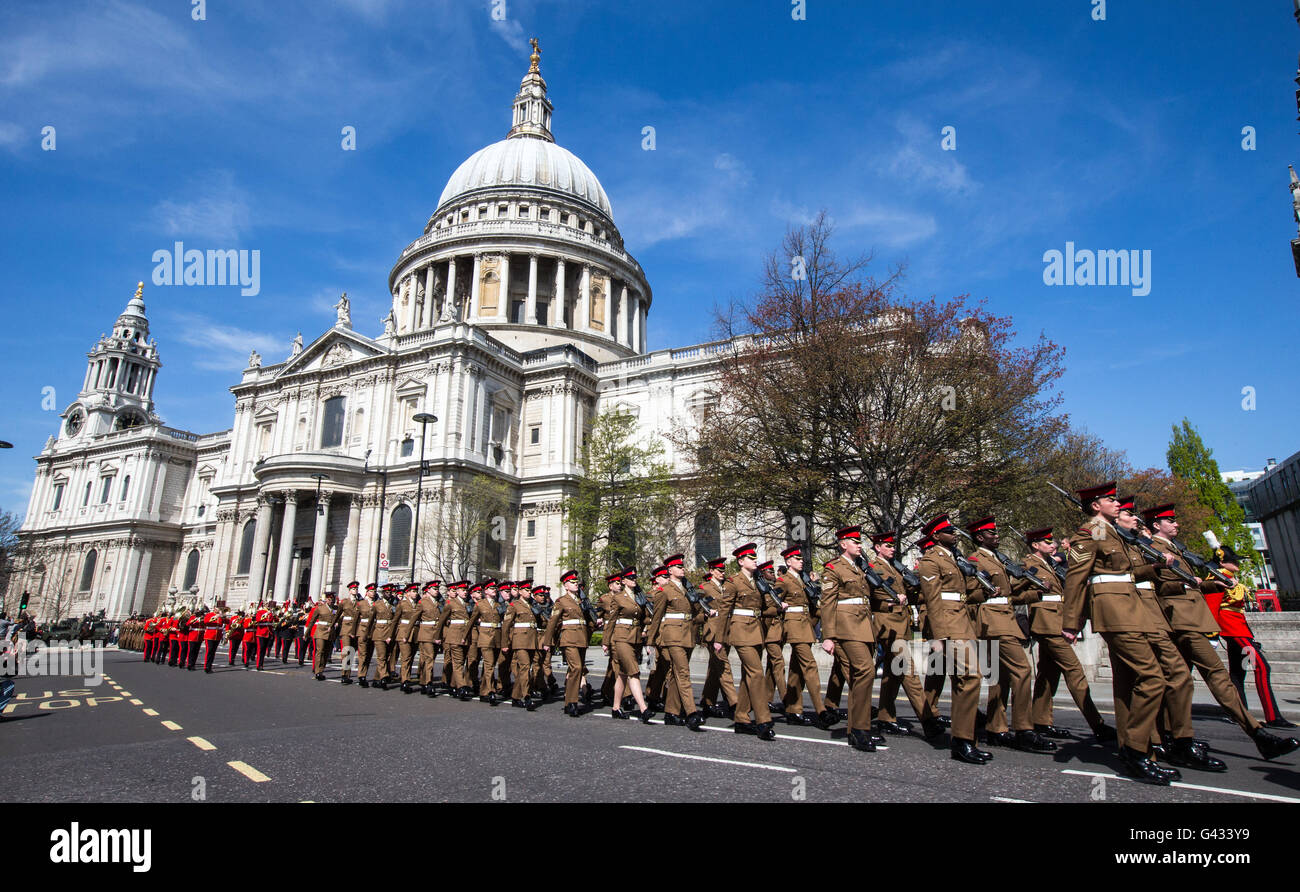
[527, 161]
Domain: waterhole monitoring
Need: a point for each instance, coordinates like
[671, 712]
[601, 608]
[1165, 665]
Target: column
[642, 312]
[530, 308]
[429, 318]
[451, 290]
[283, 582]
[261, 541]
[609, 300]
[557, 311]
[624, 322]
[412, 315]
[351, 540]
[582, 317]
[318, 545]
[503, 304]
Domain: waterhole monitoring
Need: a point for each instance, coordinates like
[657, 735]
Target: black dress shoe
[655, 705]
[1140, 768]
[1271, 746]
[320, 676]
[999, 738]
[518, 704]
[875, 738]
[765, 731]
[861, 740]
[568, 709]
[363, 682]
[842, 713]
[744, 728]
[1186, 754]
[493, 699]
[798, 718]
[1052, 732]
[1280, 722]
[931, 728]
[1033, 742]
[695, 721]
[945, 721]
[892, 728]
[964, 751]
[776, 707]
[466, 695]
[826, 719]
[347, 679]
[644, 715]
[617, 714]
[1105, 733]
[670, 719]
[530, 704]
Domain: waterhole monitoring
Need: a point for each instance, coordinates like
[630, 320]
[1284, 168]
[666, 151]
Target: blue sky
[225, 133]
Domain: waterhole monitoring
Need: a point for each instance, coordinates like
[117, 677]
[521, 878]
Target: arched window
[708, 537]
[191, 569]
[126, 486]
[104, 491]
[88, 571]
[408, 447]
[246, 549]
[399, 537]
[331, 431]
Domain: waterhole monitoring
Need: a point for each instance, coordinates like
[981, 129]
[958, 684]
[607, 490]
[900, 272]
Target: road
[152, 733]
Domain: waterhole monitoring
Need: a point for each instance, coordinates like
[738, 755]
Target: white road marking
[200, 743]
[249, 772]
[801, 739]
[137, 702]
[1269, 796]
[150, 711]
[171, 726]
[646, 749]
[1006, 799]
[122, 692]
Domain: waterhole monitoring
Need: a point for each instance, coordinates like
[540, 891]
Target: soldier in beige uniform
[383, 631]
[943, 587]
[365, 625]
[798, 624]
[567, 630]
[426, 637]
[408, 623]
[1056, 657]
[485, 625]
[718, 676]
[773, 639]
[742, 606]
[472, 655]
[1100, 584]
[347, 633]
[519, 633]
[324, 622]
[1191, 621]
[623, 636]
[452, 632]
[892, 617]
[846, 628]
[995, 622]
[673, 626]
[657, 682]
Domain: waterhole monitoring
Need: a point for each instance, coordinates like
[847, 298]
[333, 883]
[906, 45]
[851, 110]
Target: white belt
[489, 625]
[950, 596]
[1146, 585]
[797, 609]
[348, 619]
[323, 622]
[850, 601]
[457, 622]
[742, 612]
[626, 622]
[428, 622]
[1051, 597]
[674, 616]
[1110, 577]
[999, 600]
[406, 622]
[571, 622]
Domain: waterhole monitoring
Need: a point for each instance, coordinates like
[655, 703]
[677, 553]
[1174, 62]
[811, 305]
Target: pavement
[151, 733]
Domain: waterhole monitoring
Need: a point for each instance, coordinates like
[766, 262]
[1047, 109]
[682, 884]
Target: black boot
[617, 714]
[530, 704]
[1140, 768]
[406, 687]
[695, 721]
[1187, 754]
[892, 728]
[765, 731]
[861, 740]
[1271, 746]
[644, 715]
[1032, 742]
[1052, 732]
[965, 751]
[671, 719]
[518, 704]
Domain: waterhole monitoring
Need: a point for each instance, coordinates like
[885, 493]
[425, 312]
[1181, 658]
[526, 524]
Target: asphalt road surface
[152, 733]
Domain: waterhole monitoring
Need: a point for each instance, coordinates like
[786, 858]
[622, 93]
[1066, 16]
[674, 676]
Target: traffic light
[22, 602]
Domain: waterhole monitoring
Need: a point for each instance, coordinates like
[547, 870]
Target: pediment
[338, 346]
[206, 471]
[411, 386]
[266, 413]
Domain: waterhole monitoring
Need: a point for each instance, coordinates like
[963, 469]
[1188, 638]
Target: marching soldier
[519, 636]
[365, 625]
[236, 634]
[451, 633]
[718, 677]
[283, 631]
[383, 632]
[150, 641]
[799, 633]
[742, 605]
[943, 587]
[567, 629]
[1056, 658]
[672, 626]
[1101, 582]
[348, 630]
[194, 637]
[995, 621]
[263, 622]
[178, 635]
[426, 635]
[846, 627]
[623, 625]
[408, 613]
[472, 655]
[321, 624]
[213, 623]
[773, 639]
[893, 627]
[485, 624]
[1191, 621]
[543, 677]
[607, 686]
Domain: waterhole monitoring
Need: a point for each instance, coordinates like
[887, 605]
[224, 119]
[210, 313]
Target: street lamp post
[425, 420]
[318, 478]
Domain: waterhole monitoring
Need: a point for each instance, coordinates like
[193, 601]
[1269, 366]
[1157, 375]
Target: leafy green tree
[1193, 462]
[624, 511]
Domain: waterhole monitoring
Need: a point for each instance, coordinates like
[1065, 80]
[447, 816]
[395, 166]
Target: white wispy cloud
[218, 347]
[216, 209]
[12, 136]
[509, 30]
[892, 226]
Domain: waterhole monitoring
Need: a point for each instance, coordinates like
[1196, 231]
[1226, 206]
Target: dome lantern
[532, 110]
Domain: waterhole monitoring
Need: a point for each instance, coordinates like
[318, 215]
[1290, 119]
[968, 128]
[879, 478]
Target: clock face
[74, 423]
[128, 420]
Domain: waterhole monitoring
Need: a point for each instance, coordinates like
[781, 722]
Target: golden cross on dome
[535, 57]
[139, 289]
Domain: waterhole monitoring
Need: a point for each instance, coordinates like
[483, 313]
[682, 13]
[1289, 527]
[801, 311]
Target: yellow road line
[171, 726]
[249, 772]
[150, 712]
[137, 702]
[201, 743]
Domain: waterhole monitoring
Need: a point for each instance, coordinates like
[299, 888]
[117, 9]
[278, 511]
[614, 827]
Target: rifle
[1058, 567]
[1014, 570]
[766, 589]
[1141, 543]
[694, 595]
[812, 589]
[639, 596]
[970, 570]
[875, 579]
[1201, 563]
[587, 610]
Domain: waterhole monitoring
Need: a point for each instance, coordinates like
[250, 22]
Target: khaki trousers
[348, 654]
[365, 647]
[899, 672]
[575, 658]
[485, 680]
[383, 660]
[426, 662]
[1056, 658]
[658, 676]
[1015, 680]
[679, 698]
[719, 677]
[406, 651]
[776, 682]
[1138, 666]
[962, 663]
[320, 652]
[454, 654]
[1199, 652]
[752, 692]
[523, 672]
[835, 681]
[803, 674]
[859, 658]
